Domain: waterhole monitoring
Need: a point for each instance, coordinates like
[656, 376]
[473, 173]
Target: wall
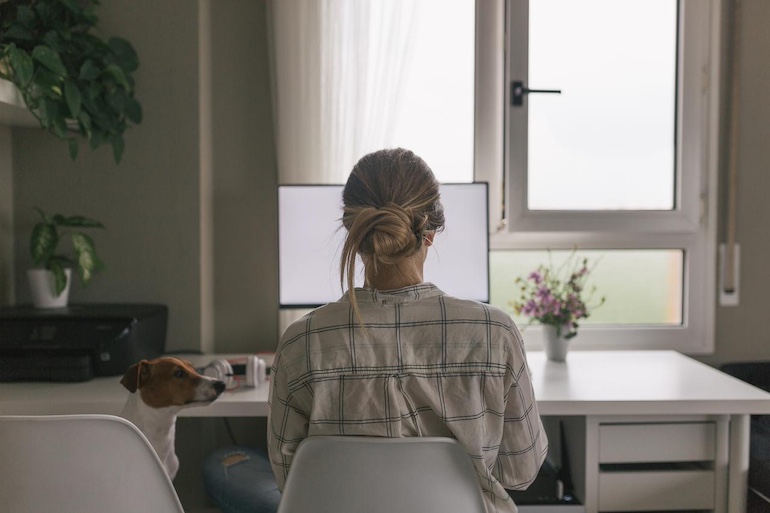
[245, 235]
[192, 230]
[6, 218]
[740, 334]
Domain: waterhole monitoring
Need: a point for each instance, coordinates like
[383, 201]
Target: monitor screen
[310, 239]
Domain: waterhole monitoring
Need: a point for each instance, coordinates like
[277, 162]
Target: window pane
[607, 142]
[436, 107]
[640, 286]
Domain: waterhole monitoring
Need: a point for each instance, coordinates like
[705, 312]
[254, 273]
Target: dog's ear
[135, 374]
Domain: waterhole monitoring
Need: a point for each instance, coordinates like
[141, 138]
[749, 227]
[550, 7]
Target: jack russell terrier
[166, 386]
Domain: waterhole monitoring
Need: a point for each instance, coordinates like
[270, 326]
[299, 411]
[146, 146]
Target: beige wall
[6, 218]
[245, 236]
[739, 330]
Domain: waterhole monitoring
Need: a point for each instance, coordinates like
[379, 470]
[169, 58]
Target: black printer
[78, 342]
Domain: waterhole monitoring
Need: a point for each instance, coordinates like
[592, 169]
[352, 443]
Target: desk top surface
[589, 383]
[639, 383]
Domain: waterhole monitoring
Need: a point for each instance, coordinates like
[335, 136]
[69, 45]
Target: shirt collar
[402, 295]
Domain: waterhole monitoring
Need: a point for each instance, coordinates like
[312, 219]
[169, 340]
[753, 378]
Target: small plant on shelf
[46, 253]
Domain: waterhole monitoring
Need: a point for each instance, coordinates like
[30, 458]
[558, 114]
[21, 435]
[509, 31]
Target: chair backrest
[343, 474]
[80, 464]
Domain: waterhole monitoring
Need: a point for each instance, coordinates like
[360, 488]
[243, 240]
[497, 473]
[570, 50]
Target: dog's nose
[219, 386]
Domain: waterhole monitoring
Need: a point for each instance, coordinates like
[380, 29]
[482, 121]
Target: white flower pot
[556, 346]
[42, 285]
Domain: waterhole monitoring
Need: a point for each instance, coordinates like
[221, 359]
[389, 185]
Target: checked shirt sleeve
[524, 443]
[287, 424]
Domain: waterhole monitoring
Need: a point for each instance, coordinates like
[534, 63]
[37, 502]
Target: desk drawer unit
[656, 466]
[649, 464]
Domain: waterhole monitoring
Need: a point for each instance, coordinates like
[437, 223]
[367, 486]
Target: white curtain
[338, 68]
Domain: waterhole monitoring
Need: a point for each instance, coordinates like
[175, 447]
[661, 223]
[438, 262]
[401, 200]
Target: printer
[78, 342]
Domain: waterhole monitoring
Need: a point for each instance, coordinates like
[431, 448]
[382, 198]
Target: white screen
[310, 238]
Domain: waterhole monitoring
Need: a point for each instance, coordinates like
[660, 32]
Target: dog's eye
[179, 373]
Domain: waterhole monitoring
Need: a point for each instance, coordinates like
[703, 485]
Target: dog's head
[165, 382]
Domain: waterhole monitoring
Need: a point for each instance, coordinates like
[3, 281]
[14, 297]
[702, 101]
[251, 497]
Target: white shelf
[12, 109]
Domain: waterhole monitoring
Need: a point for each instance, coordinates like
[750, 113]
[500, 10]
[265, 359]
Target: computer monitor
[311, 235]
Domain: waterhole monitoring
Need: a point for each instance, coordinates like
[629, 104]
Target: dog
[160, 389]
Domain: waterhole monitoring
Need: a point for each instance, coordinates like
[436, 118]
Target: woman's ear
[427, 238]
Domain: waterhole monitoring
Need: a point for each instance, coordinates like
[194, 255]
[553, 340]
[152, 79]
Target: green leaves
[22, 65]
[87, 260]
[72, 96]
[45, 239]
[43, 243]
[56, 266]
[49, 59]
[77, 85]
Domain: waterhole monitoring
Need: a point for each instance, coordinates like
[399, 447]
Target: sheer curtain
[338, 69]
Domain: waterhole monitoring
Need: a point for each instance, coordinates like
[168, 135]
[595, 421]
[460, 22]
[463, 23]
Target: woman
[399, 357]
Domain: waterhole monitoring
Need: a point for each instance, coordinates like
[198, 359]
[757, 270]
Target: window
[621, 164]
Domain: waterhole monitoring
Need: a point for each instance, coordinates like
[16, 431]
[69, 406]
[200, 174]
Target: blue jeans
[240, 480]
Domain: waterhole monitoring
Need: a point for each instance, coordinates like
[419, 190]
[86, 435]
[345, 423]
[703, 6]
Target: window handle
[518, 91]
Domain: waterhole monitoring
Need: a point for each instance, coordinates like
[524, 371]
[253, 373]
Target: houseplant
[76, 84]
[556, 297]
[53, 273]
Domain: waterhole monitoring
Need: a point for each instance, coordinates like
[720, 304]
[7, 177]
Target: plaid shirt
[426, 364]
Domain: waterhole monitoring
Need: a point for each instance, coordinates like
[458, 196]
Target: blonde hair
[391, 200]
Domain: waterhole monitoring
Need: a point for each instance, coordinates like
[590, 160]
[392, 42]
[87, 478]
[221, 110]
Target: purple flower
[536, 277]
[554, 297]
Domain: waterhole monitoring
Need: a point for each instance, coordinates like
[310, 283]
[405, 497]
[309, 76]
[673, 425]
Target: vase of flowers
[557, 298]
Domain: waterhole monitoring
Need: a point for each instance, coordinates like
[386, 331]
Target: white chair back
[80, 464]
[341, 474]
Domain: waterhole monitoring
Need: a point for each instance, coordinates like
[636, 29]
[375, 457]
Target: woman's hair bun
[387, 233]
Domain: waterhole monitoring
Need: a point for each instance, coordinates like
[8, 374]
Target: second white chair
[340, 474]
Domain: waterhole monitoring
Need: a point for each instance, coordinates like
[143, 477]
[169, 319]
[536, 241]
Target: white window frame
[691, 227]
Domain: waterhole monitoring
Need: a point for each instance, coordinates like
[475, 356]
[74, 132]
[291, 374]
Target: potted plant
[76, 84]
[51, 280]
[557, 298]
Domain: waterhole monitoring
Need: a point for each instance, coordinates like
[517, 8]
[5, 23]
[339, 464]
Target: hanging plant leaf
[89, 70]
[133, 111]
[22, 65]
[72, 95]
[50, 59]
[114, 71]
[126, 54]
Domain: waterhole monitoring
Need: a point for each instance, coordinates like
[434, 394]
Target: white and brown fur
[160, 389]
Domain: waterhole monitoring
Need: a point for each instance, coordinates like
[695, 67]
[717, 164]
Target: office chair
[80, 464]
[349, 474]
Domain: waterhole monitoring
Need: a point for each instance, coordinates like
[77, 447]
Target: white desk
[624, 411]
[610, 402]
